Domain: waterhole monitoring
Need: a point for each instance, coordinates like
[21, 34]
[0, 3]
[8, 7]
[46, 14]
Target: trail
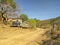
[27, 38]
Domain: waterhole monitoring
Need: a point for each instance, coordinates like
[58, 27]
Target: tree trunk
[3, 15]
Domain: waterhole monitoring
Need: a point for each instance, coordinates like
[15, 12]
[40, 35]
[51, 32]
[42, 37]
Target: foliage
[38, 23]
[32, 23]
[57, 21]
[48, 23]
[23, 17]
[9, 2]
[7, 7]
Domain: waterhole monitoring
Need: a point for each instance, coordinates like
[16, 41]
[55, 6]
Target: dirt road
[15, 36]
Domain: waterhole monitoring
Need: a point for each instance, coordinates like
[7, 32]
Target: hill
[47, 23]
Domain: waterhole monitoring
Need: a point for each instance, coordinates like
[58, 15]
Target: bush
[32, 23]
[23, 17]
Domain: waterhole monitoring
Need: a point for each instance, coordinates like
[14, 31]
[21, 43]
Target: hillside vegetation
[54, 34]
[47, 23]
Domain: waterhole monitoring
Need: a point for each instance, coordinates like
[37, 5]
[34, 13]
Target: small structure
[24, 25]
[14, 22]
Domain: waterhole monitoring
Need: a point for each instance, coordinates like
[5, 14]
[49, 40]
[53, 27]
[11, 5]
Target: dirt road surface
[19, 36]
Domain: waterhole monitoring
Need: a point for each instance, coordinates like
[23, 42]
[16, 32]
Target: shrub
[32, 23]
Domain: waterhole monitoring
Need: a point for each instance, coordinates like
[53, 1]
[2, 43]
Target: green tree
[23, 17]
[32, 23]
[38, 23]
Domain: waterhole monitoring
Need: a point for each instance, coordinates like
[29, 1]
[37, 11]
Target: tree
[38, 23]
[23, 17]
[9, 2]
[7, 7]
[32, 23]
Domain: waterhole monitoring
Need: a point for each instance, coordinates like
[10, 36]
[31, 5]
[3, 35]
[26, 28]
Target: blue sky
[40, 9]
